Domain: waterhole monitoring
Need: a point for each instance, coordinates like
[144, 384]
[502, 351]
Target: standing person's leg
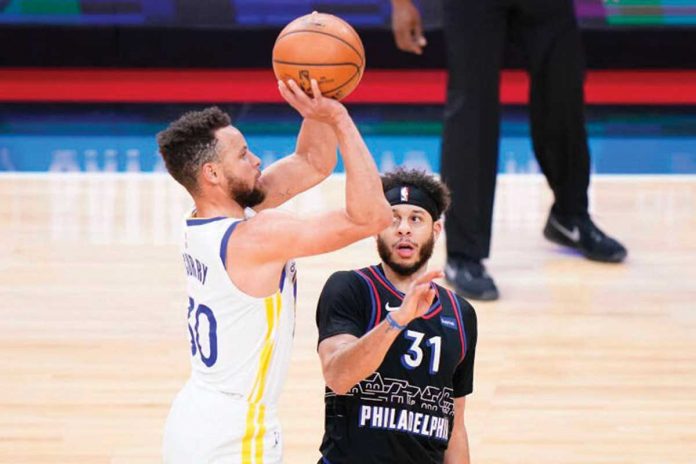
[556, 67]
[556, 101]
[474, 36]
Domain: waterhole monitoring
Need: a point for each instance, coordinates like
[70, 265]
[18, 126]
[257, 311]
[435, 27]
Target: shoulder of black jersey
[468, 313]
[344, 279]
[465, 305]
[463, 302]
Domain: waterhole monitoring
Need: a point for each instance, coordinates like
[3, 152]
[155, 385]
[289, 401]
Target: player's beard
[425, 251]
[246, 197]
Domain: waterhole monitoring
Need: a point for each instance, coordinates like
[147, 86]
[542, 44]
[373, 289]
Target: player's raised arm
[314, 160]
[363, 184]
[333, 42]
[366, 211]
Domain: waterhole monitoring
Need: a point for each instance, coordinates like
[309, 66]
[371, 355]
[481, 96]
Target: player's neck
[211, 207]
[403, 282]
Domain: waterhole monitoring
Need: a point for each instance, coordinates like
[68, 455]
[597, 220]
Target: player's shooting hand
[406, 26]
[418, 299]
[317, 107]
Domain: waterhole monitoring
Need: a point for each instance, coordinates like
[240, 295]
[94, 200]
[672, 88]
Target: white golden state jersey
[240, 345]
[240, 352]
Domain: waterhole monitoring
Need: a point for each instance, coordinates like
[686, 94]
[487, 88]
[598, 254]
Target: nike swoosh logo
[391, 308]
[572, 235]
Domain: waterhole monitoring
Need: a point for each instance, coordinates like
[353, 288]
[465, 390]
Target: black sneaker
[580, 233]
[470, 279]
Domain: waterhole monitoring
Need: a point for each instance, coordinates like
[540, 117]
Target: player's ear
[437, 228]
[209, 172]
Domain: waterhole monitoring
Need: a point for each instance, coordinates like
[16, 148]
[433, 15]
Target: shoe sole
[563, 241]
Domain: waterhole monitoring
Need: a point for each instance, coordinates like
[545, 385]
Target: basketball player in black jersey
[397, 350]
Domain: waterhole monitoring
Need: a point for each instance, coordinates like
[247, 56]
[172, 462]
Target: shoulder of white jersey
[219, 221]
[194, 222]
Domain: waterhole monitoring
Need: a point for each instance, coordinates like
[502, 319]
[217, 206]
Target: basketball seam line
[357, 73]
[362, 59]
[316, 64]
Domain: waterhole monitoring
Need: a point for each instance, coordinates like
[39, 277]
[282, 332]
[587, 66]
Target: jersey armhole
[224, 242]
[375, 301]
[460, 322]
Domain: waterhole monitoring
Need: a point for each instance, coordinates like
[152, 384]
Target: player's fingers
[423, 305]
[416, 291]
[299, 93]
[293, 99]
[418, 294]
[430, 295]
[316, 93]
[283, 88]
[424, 298]
[286, 92]
[293, 87]
[429, 276]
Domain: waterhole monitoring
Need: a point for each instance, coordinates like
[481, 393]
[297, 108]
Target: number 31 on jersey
[414, 356]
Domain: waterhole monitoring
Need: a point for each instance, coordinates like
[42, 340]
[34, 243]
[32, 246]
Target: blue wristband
[390, 320]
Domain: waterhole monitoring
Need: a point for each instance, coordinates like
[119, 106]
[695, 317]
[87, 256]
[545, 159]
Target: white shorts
[205, 426]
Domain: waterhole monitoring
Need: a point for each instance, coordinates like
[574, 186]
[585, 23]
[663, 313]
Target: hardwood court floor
[577, 363]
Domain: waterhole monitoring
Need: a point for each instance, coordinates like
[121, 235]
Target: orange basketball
[322, 47]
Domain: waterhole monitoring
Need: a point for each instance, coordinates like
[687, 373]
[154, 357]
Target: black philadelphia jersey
[403, 412]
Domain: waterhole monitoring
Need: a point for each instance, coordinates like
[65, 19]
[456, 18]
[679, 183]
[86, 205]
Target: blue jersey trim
[382, 278]
[434, 309]
[460, 318]
[281, 285]
[223, 243]
[388, 282]
[200, 222]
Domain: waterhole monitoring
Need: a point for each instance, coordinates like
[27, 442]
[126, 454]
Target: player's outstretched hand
[317, 107]
[419, 297]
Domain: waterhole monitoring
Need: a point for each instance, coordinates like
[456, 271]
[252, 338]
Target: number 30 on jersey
[203, 312]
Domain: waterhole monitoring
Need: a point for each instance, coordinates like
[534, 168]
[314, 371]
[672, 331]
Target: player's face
[407, 244]
[241, 168]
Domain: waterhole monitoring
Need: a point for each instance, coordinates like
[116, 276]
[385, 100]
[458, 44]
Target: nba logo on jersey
[404, 193]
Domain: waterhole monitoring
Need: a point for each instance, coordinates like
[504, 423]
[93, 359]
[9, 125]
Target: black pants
[475, 34]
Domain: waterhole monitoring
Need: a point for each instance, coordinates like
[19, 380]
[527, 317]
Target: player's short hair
[427, 183]
[189, 142]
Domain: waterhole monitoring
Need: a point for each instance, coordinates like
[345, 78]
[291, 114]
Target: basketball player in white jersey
[240, 273]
